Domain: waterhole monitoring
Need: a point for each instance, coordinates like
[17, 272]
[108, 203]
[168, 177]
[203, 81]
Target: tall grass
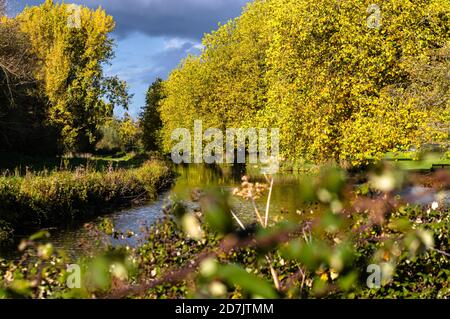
[60, 197]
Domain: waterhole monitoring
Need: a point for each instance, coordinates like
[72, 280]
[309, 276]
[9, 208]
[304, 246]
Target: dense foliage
[120, 135]
[22, 109]
[150, 121]
[337, 87]
[52, 83]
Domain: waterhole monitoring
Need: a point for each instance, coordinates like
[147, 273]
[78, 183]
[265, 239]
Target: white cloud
[175, 43]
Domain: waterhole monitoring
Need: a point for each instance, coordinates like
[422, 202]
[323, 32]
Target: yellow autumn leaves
[70, 71]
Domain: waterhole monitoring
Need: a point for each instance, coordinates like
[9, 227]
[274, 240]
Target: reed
[61, 197]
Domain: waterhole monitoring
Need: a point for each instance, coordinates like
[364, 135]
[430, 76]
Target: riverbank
[406, 161]
[326, 251]
[62, 197]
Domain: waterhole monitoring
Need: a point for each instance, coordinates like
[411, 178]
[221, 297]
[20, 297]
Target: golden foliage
[337, 88]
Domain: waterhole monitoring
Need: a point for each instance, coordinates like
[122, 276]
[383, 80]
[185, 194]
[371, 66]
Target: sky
[153, 36]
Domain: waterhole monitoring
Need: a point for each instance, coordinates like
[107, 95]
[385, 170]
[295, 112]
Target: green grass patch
[20, 163]
[412, 161]
[61, 197]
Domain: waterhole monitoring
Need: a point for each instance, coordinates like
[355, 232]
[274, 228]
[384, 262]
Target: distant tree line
[136, 135]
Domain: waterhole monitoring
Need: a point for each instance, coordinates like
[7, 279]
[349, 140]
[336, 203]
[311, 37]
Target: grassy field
[412, 161]
[19, 164]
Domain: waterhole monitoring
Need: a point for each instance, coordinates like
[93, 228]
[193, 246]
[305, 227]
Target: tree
[150, 118]
[336, 86]
[129, 134]
[109, 142]
[119, 135]
[23, 110]
[71, 74]
[225, 86]
[53, 93]
[330, 75]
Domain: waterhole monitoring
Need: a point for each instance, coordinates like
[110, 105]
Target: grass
[407, 161]
[424, 165]
[61, 197]
[20, 164]
[410, 161]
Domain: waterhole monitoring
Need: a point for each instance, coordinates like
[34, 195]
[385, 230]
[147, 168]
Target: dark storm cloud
[180, 18]
[172, 18]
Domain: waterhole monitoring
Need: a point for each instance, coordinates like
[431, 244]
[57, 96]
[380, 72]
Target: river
[79, 239]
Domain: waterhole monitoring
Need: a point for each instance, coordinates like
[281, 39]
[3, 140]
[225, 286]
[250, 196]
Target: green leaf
[40, 235]
[217, 213]
[236, 276]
